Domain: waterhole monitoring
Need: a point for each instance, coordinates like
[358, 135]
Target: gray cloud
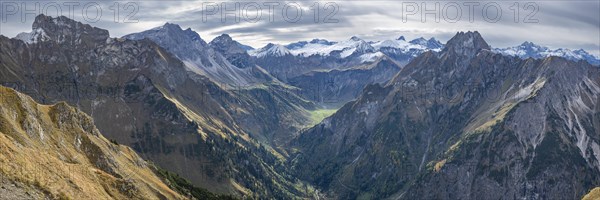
[567, 24]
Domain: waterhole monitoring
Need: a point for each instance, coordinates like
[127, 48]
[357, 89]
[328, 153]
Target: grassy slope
[316, 116]
[57, 149]
[593, 195]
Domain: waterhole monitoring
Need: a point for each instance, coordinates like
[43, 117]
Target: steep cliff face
[334, 73]
[334, 88]
[55, 151]
[117, 82]
[233, 51]
[223, 60]
[464, 123]
[143, 96]
[264, 107]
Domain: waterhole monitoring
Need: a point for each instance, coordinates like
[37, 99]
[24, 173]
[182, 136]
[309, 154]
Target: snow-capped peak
[357, 45]
[296, 45]
[354, 45]
[317, 47]
[321, 41]
[389, 43]
[530, 46]
[420, 41]
[532, 50]
[432, 43]
[270, 49]
[370, 57]
[404, 46]
[311, 44]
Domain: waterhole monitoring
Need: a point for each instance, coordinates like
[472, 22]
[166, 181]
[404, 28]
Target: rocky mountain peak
[169, 33]
[172, 26]
[193, 34]
[531, 46]
[227, 46]
[419, 40]
[176, 30]
[355, 38]
[466, 43]
[63, 30]
[430, 43]
[269, 45]
[527, 43]
[302, 44]
[296, 45]
[321, 41]
[223, 38]
[433, 43]
[224, 41]
[401, 38]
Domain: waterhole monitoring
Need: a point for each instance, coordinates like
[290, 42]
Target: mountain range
[325, 70]
[531, 50]
[462, 123]
[351, 119]
[141, 95]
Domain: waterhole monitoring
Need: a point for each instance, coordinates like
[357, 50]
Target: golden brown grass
[593, 195]
[57, 148]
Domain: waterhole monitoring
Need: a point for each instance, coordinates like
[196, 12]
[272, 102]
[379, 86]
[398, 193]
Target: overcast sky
[566, 24]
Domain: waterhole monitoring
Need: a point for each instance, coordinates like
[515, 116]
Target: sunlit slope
[58, 150]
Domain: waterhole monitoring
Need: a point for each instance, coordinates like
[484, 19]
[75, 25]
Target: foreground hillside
[55, 151]
[593, 195]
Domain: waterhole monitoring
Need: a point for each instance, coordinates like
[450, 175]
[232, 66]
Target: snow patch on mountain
[432, 43]
[325, 48]
[531, 50]
[34, 36]
[275, 50]
[405, 46]
[370, 57]
[357, 45]
[314, 42]
[310, 49]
